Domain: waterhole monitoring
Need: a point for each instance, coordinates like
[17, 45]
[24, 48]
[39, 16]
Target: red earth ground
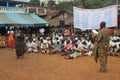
[37, 66]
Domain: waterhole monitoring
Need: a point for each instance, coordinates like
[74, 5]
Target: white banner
[91, 18]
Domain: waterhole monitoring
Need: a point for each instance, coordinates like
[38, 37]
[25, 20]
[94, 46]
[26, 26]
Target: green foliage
[34, 3]
[51, 3]
[93, 4]
[64, 5]
[89, 4]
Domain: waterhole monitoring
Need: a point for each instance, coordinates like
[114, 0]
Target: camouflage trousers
[103, 61]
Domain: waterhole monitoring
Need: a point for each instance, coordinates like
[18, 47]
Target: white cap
[34, 39]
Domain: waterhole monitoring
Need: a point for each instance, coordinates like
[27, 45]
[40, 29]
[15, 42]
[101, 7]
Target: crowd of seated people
[71, 47]
[3, 41]
[114, 45]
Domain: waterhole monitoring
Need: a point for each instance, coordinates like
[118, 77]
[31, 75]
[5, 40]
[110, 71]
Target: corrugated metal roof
[22, 19]
[16, 0]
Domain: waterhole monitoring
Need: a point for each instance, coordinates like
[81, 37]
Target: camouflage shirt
[103, 39]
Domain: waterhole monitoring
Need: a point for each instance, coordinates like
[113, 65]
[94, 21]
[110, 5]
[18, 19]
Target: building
[45, 2]
[12, 13]
[61, 20]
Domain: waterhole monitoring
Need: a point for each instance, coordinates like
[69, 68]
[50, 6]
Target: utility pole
[72, 22]
[40, 3]
[73, 19]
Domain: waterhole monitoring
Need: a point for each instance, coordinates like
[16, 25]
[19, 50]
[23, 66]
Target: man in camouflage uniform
[102, 46]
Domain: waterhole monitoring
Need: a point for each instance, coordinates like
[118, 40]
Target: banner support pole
[117, 14]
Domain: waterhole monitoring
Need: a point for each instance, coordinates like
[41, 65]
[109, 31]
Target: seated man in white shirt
[87, 48]
[32, 46]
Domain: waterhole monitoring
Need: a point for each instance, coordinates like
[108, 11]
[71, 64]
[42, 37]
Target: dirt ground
[37, 66]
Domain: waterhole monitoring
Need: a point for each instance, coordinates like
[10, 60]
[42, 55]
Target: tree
[34, 3]
[64, 5]
[89, 4]
[51, 3]
[92, 4]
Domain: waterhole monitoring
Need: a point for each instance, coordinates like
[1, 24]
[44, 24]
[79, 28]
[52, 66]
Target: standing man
[19, 43]
[102, 46]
